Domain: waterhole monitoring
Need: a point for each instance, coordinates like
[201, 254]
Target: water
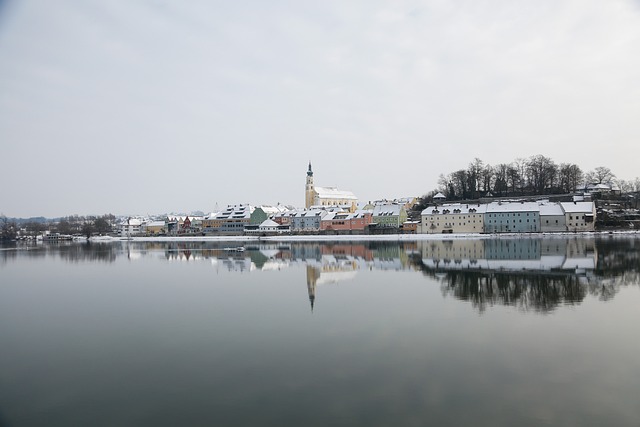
[484, 332]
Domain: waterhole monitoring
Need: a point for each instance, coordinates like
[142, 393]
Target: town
[332, 211]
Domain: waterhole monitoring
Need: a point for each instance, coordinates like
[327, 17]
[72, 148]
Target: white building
[327, 196]
[453, 218]
[579, 216]
[552, 217]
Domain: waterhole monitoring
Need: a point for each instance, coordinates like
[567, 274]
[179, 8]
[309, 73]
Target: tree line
[74, 224]
[537, 175]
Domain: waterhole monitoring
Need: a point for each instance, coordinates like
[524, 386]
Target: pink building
[345, 221]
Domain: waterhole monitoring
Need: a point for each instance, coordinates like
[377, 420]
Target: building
[155, 228]
[552, 218]
[307, 221]
[262, 213]
[327, 196]
[284, 218]
[346, 221]
[268, 226]
[389, 216]
[131, 227]
[579, 216]
[230, 221]
[512, 217]
[453, 218]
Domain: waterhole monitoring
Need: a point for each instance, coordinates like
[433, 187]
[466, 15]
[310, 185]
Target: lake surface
[504, 332]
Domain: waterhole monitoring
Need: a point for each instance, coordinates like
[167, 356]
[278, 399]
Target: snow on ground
[386, 237]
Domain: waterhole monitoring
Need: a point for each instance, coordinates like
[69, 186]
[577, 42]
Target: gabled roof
[387, 210]
[577, 207]
[334, 193]
[311, 213]
[550, 209]
[236, 212]
[455, 208]
[505, 207]
[269, 224]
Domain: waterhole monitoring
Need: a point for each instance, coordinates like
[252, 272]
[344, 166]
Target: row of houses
[509, 217]
[495, 217]
[246, 219]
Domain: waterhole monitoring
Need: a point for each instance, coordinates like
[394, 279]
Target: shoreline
[382, 238]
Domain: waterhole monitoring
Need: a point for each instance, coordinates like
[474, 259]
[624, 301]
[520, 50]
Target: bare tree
[570, 176]
[541, 172]
[600, 175]
[501, 181]
[8, 229]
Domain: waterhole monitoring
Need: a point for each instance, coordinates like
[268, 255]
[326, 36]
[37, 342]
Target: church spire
[309, 172]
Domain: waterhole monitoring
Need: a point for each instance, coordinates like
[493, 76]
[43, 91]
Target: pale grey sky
[155, 106]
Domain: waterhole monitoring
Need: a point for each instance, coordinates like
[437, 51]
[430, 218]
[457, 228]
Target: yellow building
[327, 196]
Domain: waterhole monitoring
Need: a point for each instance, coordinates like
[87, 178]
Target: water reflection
[529, 273]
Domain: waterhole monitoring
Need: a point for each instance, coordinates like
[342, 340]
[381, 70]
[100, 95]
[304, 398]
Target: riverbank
[352, 238]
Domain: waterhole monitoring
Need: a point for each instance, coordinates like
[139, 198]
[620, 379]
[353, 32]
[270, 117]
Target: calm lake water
[521, 332]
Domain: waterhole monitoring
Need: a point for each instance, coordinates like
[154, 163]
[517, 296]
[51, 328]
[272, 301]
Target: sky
[149, 106]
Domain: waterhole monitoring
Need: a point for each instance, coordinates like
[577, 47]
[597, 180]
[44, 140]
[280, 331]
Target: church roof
[334, 193]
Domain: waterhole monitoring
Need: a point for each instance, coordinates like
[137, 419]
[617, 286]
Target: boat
[56, 237]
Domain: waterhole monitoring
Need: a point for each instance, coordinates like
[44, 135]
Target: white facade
[453, 218]
[579, 216]
[552, 217]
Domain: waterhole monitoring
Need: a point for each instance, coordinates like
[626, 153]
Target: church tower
[309, 191]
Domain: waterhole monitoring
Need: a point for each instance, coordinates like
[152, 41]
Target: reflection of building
[329, 270]
[518, 255]
[452, 249]
[312, 280]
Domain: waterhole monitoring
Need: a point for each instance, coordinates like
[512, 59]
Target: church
[327, 196]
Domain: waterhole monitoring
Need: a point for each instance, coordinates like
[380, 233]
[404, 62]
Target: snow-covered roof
[387, 210]
[577, 207]
[439, 196]
[503, 207]
[156, 224]
[271, 210]
[550, 209]
[334, 193]
[311, 213]
[327, 277]
[269, 224]
[236, 212]
[455, 208]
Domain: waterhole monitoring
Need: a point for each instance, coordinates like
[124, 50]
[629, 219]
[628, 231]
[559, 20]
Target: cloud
[203, 91]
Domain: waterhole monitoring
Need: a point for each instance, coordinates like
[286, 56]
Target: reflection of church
[329, 269]
[327, 196]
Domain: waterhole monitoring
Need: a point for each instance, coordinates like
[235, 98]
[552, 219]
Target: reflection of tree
[617, 265]
[527, 291]
[105, 252]
[70, 252]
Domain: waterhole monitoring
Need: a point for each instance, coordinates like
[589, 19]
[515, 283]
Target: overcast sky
[135, 107]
